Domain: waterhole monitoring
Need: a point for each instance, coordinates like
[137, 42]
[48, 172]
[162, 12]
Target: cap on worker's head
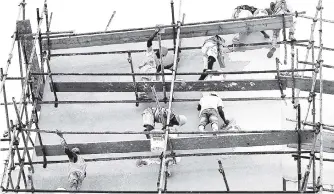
[181, 119]
[164, 51]
[76, 150]
[213, 93]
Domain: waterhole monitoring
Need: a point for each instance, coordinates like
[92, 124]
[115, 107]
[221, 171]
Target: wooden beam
[229, 85]
[188, 31]
[328, 142]
[186, 143]
[305, 84]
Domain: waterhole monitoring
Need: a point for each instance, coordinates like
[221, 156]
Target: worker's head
[220, 39]
[76, 150]
[272, 6]
[164, 52]
[181, 119]
[261, 12]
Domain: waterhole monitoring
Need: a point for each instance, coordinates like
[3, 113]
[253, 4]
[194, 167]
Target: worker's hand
[59, 133]
[157, 28]
[227, 122]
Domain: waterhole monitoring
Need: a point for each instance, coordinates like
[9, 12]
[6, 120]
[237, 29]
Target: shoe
[271, 52]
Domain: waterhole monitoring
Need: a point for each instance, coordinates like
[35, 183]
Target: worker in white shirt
[210, 106]
[77, 165]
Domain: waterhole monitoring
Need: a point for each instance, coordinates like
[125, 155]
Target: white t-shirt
[210, 102]
[151, 60]
[80, 165]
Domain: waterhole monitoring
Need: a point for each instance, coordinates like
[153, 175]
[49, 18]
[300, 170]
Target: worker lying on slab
[280, 7]
[151, 62]
[245, 11]
[209, 107]
[77, 165]
[152, 115]
[213, 50]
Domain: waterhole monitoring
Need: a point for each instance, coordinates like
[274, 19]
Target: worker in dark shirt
[77, 165]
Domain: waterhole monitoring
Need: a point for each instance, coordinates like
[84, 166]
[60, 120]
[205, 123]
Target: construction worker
[151, 62]
[280, 7]
[152, 115]
[213, 50]
[209, 107]
[77, 165]
[245, 11]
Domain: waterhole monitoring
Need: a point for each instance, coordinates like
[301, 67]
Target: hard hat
[181, 119]
[213, 93]
[164, 51]
[76, 150]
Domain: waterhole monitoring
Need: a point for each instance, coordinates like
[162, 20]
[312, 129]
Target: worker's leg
[203, 122]
[148, 120]
[213, 119]
[274, 43]
[73, 180]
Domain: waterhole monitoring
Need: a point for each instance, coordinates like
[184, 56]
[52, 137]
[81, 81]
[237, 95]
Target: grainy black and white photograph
[166, 96]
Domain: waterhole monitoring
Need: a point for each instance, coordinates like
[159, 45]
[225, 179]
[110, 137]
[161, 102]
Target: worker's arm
[149, 41]
[222, 115]
[199, 107]
[72, 156]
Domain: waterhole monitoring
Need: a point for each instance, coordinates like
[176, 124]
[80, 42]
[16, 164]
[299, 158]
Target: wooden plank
[328, 143]
[24, 27]
[186, 143]
[229, 85]
[188, 31]
[305, 84]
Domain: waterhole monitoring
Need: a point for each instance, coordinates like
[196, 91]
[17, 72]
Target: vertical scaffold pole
[133, 78]
[314, 128]
[299, 171]
[321, 108]
[40, 46]
[173, 23]
[6, 105]
[162, 70]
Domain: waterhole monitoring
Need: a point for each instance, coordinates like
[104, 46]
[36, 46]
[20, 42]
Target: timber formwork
[34, 76]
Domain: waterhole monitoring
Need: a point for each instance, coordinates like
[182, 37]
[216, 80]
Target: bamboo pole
[6, 106]
[321, 107]
[10, 55]
[299, 149]
[314, 176]
[173, 23]
[94, 132]
[170, 49]
[161, 100]
[51, 80]
[182, 73]
[135, 192]
[162, 70]
[200, 154]
[313, 64]
[323, 20]
[40, 46]
[316, 158]
[317, 47]
[111, 18]
[133, 79]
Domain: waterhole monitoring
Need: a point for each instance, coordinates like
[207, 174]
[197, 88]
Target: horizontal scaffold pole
[179, 86]
[181, 73]
[197, 154]
[317, 47]
[136, 192]
[156, 132]
[231, 47]
[308, 157]
[311, 63]
[162, 100]
[305, 84]
[185, 143]
[223, 27]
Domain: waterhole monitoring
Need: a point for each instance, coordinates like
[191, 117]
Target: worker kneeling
[210, 106]
[154, 115]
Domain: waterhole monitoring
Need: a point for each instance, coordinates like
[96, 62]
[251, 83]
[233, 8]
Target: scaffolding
[33, 78]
